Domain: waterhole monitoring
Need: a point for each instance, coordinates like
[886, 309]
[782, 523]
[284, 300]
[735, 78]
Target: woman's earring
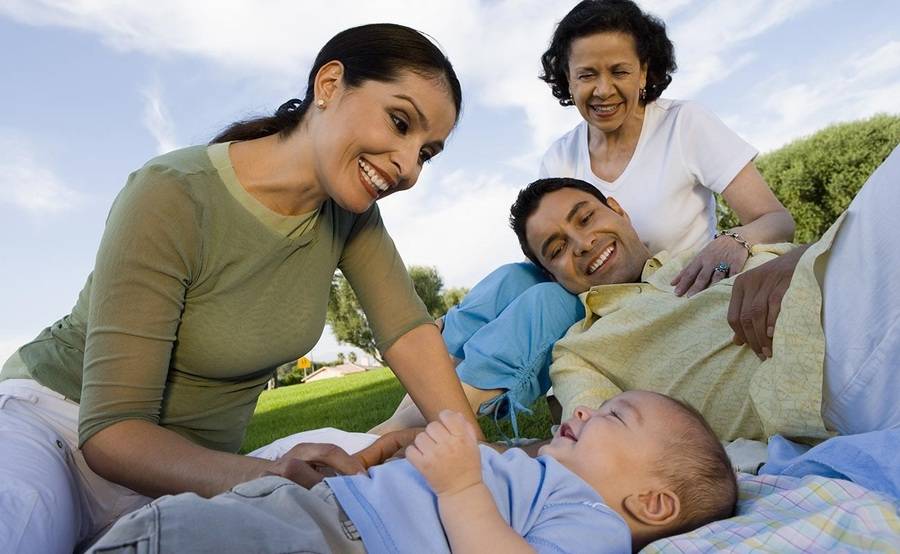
[643, 94]
[320, 104]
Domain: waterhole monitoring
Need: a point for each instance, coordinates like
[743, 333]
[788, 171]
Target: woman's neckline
[586, 151]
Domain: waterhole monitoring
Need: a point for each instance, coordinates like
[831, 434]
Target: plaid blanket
[777, 513]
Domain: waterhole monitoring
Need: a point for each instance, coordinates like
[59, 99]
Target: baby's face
[611, 445]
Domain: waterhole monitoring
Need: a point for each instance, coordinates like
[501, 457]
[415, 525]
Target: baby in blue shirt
[641, 467]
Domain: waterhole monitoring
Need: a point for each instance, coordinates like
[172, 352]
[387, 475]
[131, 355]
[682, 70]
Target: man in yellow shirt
[805, 342]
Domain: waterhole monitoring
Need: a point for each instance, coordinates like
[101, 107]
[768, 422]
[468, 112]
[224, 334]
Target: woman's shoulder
[565, 149]
[174, 179]
[679, 112]
[187, 161]
[666, 108]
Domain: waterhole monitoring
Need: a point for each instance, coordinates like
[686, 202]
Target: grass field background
[356, 402]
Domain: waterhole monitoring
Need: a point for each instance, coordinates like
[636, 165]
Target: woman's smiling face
[374, 139]
[605, 79]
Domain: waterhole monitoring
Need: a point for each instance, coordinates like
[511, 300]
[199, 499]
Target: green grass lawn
[356, 402]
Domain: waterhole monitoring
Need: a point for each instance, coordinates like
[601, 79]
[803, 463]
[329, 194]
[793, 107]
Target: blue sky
[92, 89]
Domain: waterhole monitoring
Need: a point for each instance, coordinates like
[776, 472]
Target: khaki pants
[266, 515]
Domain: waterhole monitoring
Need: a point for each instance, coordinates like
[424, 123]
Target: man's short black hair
[530, 197]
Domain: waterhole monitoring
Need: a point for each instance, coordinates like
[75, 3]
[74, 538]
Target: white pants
[861, 310]
[50, 500]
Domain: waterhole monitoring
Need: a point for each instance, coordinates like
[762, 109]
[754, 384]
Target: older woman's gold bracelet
[740, 240]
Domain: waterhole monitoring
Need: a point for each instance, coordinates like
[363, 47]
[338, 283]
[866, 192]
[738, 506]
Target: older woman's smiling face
[375, 139]
[605, 79]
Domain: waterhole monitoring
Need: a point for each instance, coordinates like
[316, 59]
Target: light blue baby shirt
[395, 510]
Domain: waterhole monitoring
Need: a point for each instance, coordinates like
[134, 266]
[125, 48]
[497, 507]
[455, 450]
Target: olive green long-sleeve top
[198, 292]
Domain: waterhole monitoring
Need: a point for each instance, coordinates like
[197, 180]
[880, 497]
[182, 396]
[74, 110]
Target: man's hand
[701, 272]
[446, 453]
[308, 463]
[756, 301]
[390, 445]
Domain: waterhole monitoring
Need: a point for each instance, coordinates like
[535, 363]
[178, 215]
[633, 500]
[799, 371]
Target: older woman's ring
[723, 268]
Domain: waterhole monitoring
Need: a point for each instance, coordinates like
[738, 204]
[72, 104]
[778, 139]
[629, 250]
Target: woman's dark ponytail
[284, 120]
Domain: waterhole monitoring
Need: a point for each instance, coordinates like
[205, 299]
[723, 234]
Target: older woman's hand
[702, 271]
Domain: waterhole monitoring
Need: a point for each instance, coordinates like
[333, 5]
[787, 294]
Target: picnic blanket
[780, 513]
[775, 513]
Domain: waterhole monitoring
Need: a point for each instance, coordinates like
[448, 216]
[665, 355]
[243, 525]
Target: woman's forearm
[155, 461]
[764, 220]
[772, 227]
[421, 362]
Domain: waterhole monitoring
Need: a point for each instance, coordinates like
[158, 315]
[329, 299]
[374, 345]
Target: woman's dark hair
[529, 199]
[590, 17]
[375, 52]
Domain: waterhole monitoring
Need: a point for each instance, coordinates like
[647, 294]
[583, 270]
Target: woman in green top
[214, 268]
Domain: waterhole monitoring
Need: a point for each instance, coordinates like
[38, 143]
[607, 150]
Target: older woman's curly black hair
[598, 16]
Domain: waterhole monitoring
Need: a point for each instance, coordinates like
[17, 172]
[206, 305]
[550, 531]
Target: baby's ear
[654, 507]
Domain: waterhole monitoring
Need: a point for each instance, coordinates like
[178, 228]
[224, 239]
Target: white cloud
[8, 345]
[709, 44]
[28, 183]
[157, 120]
[862, 84]
[495, 46]
[455, 222]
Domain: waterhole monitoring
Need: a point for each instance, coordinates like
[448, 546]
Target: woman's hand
[390, 445]
[756, 301]
[702, 272]
[308, 463]
[763, 220]
[447, 454]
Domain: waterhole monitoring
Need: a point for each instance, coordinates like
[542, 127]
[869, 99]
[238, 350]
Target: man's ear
[329, 80]
[654, 507]
[614, 206]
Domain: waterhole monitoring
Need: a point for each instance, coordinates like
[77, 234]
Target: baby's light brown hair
[697, 468]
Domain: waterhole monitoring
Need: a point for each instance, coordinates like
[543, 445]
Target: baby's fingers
[456, 424]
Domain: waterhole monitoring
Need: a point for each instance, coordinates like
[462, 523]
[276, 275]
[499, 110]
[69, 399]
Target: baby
[641, 467]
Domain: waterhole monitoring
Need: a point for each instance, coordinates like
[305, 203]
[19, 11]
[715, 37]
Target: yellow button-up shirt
[642, 336]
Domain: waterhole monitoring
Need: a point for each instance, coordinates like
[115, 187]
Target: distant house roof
[332, 372]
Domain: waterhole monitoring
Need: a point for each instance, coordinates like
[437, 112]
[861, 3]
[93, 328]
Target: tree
[816, 177]
[453, 297]
[428, 285]
[347, 320]
[351, 357]
[342, 357]
[349, 323]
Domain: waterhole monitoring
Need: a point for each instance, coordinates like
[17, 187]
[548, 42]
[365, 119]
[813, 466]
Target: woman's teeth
[372, 176]
[605, 109]
[598, 263]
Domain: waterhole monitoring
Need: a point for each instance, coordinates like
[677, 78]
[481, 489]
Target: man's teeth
[373, 176]
[598, 263]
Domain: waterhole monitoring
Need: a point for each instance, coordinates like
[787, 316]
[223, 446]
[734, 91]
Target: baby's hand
[446, 453]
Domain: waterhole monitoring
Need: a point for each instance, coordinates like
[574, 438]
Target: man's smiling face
[583, 242]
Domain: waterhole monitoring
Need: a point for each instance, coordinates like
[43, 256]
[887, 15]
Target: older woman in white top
[661, 159]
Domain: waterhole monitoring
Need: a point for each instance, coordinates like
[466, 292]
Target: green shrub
[292, 378]
[816, 177]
